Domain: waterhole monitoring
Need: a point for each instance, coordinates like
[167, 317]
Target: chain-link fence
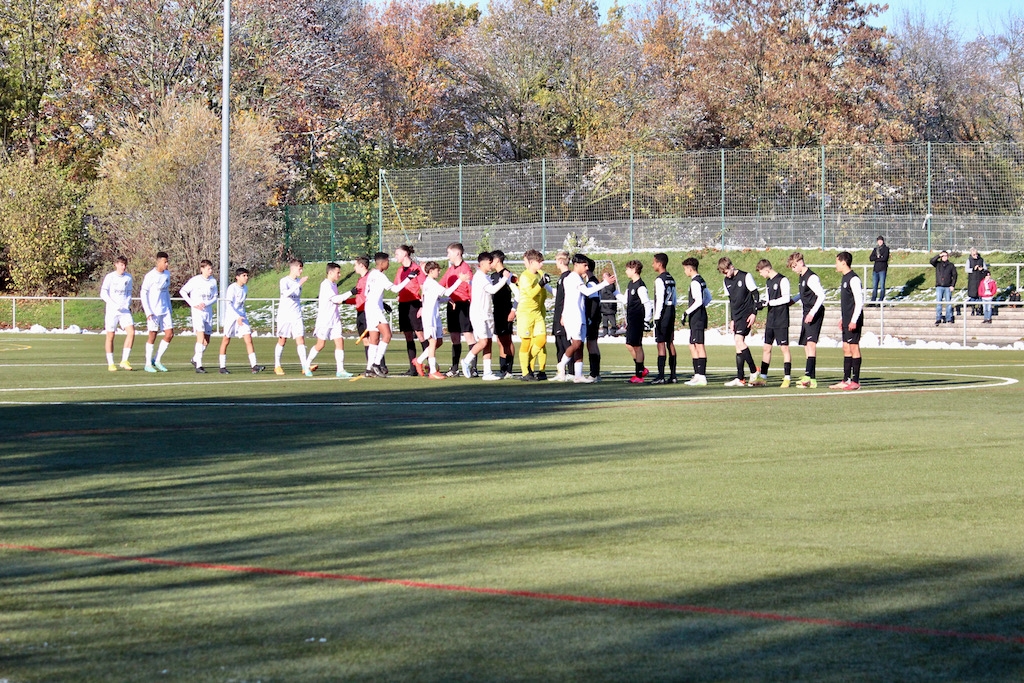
[326, 232]
[919, 196]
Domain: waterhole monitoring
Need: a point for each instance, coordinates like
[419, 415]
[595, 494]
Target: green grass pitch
[624, 533]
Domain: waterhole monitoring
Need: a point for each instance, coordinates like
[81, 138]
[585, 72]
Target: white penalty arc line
[749, 394]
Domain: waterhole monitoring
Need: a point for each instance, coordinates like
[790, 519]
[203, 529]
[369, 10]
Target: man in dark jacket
[945, 281]
[880, 256]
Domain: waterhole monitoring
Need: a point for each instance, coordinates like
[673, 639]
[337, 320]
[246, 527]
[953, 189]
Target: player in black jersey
[592, 313]
[851, 298]
[776, 328]
[812, 295]
[557, 329]
[664, 319]
[504, 301]
[638, 312]
[742, 292]
[698, 297]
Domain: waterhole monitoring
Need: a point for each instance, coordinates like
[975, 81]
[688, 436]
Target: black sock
[787, 368]
[672, 365]
[749, 358]
[847, 367]
[812, 363]
[425, 344]
[595, 365]
[661, 366]
[456, 353]
[696, 366]
[472, 364]
[739, 366]
[856, 370]
[410, 348]
[702, 363]
[638, 368]
[764, 368]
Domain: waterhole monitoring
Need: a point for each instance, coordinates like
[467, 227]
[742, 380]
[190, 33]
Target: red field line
[534, 595]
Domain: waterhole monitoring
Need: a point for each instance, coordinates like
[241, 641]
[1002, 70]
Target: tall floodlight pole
[225, 159]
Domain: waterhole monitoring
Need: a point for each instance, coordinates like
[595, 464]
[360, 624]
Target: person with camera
[945, 281]
[880, 257]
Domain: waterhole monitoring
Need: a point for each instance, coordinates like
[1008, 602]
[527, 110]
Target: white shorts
[575, 332]
[374, 317]
[159, 323]
[332, 332]
[432, 328]
[290, 327]
[116, 319]
[483, 328]
[202, 321]
[237, 330]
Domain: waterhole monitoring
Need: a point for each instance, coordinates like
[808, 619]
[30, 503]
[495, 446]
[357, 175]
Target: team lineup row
[492, 302]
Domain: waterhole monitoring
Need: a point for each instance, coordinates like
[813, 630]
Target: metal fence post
[823, 197]
[928, 211]
[544, 204]
[721, 154]
[380, 210]
[62, 313]
[631, 171]
[287, 231]
[331, 209]
[460, 202]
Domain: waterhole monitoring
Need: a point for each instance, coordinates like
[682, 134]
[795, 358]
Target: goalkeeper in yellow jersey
[533, 291]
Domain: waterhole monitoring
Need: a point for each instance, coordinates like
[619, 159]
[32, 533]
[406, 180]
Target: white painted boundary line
[747, 394]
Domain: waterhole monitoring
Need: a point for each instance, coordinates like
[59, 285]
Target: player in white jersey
[433, 295]
[117, 293]
[377, 327]
[573, 318]
[200, 293]
[236, 322]
[328, 322]
[156, 302]
[481, 315]
[289, 316]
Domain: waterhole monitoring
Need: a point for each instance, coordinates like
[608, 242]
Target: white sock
[301, 348]
[487, 367]
[149, 353]
[252, 360]
[371, 355]
[423, 357]
[433, 364]
[223, 358]
[562, 363]
[110, 358]
[125, 353]
[382, 348]
[160, 349]
[198, 356]
[278, 350]
[339, 358]
[311, 355]
[577, 369]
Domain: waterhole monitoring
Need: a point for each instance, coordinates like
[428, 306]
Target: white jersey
[434, 295]
[327, 307]
[116, 291]
[200, 290]
[574, 292]
[481, 302]
[376, 284]
[234, 301]
[290, 305]
[156, 293]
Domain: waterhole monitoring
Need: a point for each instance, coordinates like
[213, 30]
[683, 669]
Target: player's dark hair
[206, 262]
[293, 261]
[880, 238]
[579, 258]
[241, 271]
[692, 262]
[533, 255]
[591, 264]
[636, 265]
[457, 246]
[845, 256]
[333, 266]
[407, 249]
[483, 256]
[661, 259]
[430, 265]
[121, 259]
[381, 256]
[498, 255]
[764, 263]
[363, 261]
[162, 254]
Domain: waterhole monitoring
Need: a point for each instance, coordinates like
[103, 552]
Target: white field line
[747, 394]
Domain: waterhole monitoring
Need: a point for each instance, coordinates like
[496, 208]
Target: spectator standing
[975, 269]
[987, 289]
[880, 257]
[945, 281]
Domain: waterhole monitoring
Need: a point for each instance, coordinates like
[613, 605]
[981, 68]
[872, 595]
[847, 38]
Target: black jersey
[502, 298]
[700, 314]
[742, 299]
[592, 303]
[635, 309]
[669, 283]
[847, 298]
[556, 323]
[807, 295]
[778, 315]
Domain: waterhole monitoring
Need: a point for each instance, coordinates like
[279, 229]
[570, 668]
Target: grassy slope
[872, 507]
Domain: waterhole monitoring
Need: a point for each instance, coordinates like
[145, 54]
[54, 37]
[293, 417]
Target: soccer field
[187, 527]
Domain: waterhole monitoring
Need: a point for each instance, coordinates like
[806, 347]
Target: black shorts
[697, 335]
[811, 332]
[634, 332]
[776, 335]
[740, 327]
[502, 326]
[852, 337]
[458, 318]
[360, 322]
[665, 326]
[408, 321]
